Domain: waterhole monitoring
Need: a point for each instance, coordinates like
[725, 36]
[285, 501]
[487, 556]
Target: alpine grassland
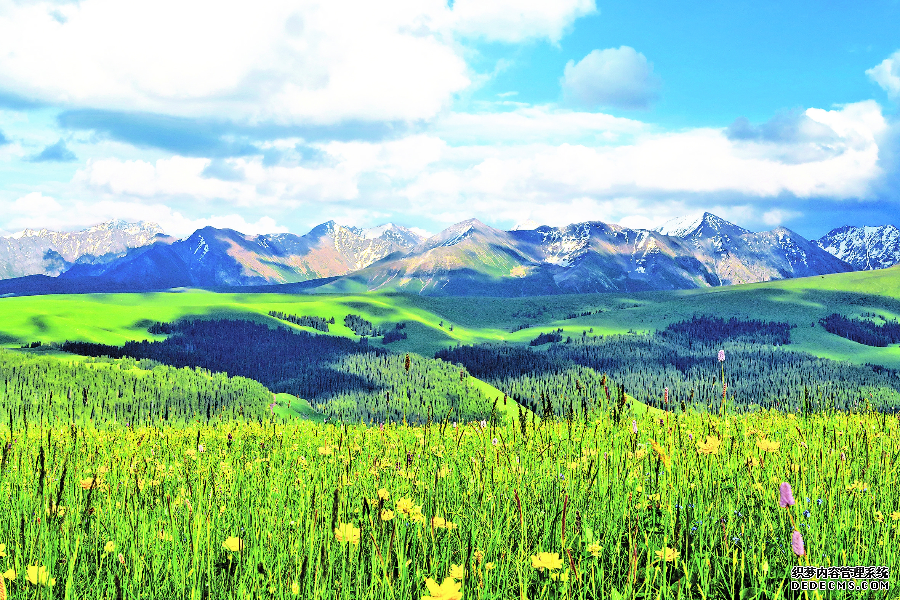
[615, 503]
[677, 445]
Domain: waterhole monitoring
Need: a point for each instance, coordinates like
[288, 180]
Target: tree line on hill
[862, 331]
[341, 377]
[317, 323]
[683, 358]
[39, 389]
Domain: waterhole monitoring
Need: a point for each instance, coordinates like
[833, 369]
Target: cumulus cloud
[57, 152]
[785, 127]
[312, 62]
[887, 75]
[615, 77]
[32, 210]
[643, 179]
[3, 140]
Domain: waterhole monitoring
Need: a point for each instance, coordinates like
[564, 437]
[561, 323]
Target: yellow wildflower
[165, 536]
[768, 445]
[347, 533]
[9, 574]
[438, 522]
[2, 550]
[488, 566]
[594, 549]
[404, 506]
[387, 515]
[109, 547]
[383, 494]
[295, 588]
[564, 576]
[661, 453]
[449, 590]
[39, 575]
[710, 446]
[546, 560]
[234, 544]
[879, 517]
[667, 554]
[90, 482]
[895, 516]
[457, 571]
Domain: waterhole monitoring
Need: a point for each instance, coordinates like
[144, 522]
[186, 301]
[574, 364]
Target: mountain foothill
[469, 258]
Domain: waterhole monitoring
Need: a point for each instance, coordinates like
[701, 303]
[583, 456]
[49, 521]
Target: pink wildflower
[797, 544]
[786, 496]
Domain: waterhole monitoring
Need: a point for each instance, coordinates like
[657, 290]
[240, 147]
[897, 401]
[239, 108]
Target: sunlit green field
[683, 507]
[116, 318]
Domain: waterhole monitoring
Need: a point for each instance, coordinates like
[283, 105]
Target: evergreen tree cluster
[546, 338]
[338, 376]
[317, 323]
[127, 391]
[760, 373]
[394, 335]
[715, 329]
[862, 331]
[361, 327]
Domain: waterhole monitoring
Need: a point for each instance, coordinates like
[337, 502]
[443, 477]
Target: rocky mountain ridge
[467, 258]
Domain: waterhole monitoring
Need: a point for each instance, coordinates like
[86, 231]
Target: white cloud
[887, 75]
[777, 216]
[36, 211]
[423, 179]
[31, 210]
[306, 62]
[535, 124]
[615, 77]
[518, 20]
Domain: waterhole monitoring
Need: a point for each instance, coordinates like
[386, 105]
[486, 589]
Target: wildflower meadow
[652, 504]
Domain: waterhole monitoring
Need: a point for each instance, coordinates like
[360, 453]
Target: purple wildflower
[633, 426]
[786, 496]
[721, 356]
[797, 544]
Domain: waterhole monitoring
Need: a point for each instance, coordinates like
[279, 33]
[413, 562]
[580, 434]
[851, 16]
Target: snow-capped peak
[376, 232]
[526, 225]
[702, 225]
[681, 226]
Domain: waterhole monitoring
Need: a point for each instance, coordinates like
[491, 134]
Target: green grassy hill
[116, 318]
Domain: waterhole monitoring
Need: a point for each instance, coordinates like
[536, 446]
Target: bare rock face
[865, 248]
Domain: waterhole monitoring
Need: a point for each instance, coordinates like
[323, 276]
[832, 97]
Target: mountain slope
[864, 247]
[213, 257]
[45, 252]
[737, 255]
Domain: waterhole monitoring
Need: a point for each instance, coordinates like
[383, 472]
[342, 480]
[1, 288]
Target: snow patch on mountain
[681, 226]
[865, 248]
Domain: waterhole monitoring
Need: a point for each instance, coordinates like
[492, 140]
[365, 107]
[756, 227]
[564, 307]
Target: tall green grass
[249, 510]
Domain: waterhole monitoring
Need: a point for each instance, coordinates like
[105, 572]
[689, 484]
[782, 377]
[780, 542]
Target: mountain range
[468, 258]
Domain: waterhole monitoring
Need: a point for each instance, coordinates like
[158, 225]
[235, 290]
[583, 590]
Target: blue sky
[424, 114]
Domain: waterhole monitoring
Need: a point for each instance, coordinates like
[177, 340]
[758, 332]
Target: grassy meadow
[655, 506]
[117, 318]
[618, 502]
